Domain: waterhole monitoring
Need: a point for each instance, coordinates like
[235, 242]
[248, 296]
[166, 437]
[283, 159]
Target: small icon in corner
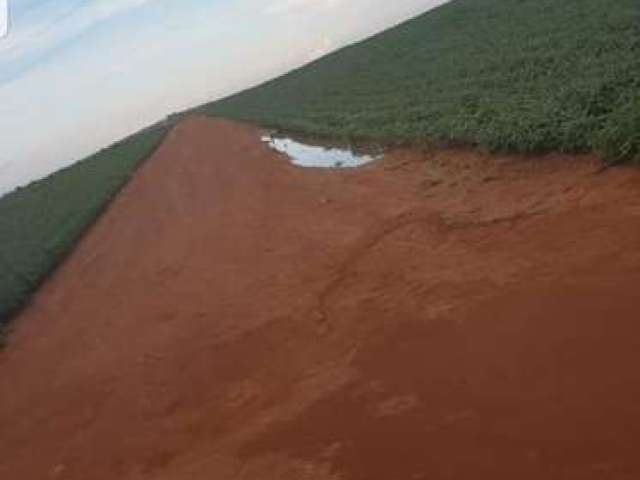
[4, 18]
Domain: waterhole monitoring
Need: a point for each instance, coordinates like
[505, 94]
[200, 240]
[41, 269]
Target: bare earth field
[444, 315]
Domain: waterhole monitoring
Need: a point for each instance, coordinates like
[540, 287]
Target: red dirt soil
[436, 315]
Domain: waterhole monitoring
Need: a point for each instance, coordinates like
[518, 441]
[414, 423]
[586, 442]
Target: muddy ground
[436, 315]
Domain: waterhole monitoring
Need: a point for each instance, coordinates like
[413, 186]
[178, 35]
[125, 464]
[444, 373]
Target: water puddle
[306, 155]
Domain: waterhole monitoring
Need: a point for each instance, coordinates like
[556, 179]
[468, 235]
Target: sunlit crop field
[507, 75]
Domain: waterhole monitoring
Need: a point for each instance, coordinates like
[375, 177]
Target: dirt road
[444, 315]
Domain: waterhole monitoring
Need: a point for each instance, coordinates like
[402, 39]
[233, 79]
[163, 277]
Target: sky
[77, 75]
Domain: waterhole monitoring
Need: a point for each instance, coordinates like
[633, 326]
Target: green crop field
[40, 224]
[506, 75]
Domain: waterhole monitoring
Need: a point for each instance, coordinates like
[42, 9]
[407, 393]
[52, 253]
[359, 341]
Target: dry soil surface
[436, 315]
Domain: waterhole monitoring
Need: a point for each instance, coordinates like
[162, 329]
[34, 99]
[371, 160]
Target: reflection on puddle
[306, 155]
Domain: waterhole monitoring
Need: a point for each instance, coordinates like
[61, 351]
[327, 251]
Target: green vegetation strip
[40, 224]
[507, 75]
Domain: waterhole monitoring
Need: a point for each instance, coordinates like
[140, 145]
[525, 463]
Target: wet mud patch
[306, 153]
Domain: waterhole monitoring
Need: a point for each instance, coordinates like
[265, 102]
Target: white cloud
[293, 6]
[42, 29]
[324, 46]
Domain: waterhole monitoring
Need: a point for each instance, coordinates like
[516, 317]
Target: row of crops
[506, 75]
[39, 224]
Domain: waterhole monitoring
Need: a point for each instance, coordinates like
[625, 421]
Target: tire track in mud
[369, 242]
[387, 228]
